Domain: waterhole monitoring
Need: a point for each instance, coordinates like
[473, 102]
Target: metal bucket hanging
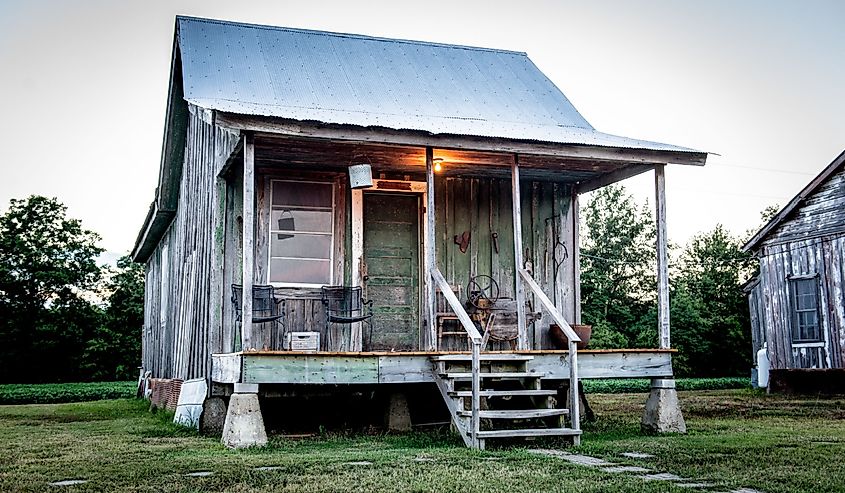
[360, 176]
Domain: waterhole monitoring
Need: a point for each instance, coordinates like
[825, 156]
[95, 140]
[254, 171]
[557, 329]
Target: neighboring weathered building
[478, 161]
[797, 302]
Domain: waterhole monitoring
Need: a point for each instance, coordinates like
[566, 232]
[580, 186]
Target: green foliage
[617, 259]
[640, 385]
[54, 393]
[115, 348]
[47, 263]
[52, 325]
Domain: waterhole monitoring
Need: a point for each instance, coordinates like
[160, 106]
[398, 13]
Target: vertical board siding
[771, 299]
[483, 206]
[180, 336]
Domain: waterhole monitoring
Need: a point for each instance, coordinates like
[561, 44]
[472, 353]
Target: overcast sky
[83, 87]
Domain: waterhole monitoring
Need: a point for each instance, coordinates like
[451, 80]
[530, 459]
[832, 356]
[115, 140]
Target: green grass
[54, 393]
[628, 385]
[738, 438]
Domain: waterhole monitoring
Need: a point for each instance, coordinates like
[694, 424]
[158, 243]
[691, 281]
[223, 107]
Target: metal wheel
[482, 289]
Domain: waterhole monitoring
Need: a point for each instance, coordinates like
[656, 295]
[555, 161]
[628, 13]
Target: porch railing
[574, 402]
[475, 339]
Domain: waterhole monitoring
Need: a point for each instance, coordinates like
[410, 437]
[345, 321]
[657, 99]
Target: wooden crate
[302, 341]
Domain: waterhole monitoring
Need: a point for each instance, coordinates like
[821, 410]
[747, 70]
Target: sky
[759, 84]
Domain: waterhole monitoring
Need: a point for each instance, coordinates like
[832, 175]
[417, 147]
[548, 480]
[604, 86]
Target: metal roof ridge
[347, 35]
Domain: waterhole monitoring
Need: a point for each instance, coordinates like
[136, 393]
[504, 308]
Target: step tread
[517, 374]
[530, 432]
[517, 413]
[483, 357]
[503, 393]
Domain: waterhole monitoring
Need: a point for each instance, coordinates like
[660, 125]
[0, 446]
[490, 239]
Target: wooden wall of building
[182, 309]
[824, 257]
[480, 205]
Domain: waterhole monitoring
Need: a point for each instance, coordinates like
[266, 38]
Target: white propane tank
[763, 367]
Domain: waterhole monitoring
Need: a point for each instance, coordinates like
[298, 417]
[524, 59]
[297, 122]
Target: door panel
[392, 255]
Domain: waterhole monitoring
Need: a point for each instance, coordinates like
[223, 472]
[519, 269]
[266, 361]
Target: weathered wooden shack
[797, 302]
[477, 164]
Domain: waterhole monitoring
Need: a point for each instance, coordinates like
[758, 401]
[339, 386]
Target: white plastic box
[302, 341]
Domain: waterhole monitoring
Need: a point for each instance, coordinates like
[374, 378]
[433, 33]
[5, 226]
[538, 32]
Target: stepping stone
[636, 455]
[695, 485]
[199, 474]
[662, 476]
[581, 460]
[423, 459]
[69, 482]
[625, 469]
[358, 463]
[267, 468]
[746, 490]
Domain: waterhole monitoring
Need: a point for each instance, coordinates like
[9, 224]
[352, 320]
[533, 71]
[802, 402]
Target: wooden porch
[290, 367]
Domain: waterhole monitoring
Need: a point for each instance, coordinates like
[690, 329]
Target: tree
[713, 268]
[617, 266]
[47, 265]
[114, 350]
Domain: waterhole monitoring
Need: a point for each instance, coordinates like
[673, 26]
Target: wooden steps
[513, 402]
[529, 432]
[504, 374]
[505, 393]
[517, 413]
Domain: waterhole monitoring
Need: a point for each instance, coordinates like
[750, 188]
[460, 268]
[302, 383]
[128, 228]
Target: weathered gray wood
[530, 432]
[484, 357]
[519, 290]
[662, 257]
[430, 257]
[549, 306]
[248, 250]
[304, 369]
[505, 393]
[459, 310]
[226, 368]
[618, 175]
[518, 413]
[422, 139]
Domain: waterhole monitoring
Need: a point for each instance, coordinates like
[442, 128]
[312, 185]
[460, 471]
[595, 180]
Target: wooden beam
[662, 257]
[549, 306]
[519, 289]
[576, 255]
[613, 177]
[248, 215]
[357, 338]
[352, 133]
[429, 242]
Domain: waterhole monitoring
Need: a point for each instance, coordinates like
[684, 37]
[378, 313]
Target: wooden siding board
[822, 213]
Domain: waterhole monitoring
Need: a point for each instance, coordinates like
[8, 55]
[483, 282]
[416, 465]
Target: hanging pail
[360, 176]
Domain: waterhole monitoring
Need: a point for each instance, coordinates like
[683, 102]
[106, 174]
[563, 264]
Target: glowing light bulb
[437, 163]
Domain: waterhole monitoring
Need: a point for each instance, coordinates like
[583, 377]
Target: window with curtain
[301, 233]
[805, 309]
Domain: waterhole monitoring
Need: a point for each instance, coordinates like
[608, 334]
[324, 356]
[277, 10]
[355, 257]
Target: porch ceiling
[320, 154]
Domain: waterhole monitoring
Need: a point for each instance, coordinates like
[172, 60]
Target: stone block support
[662, 411]
[244, 426]
[213, 416]
[398, 413]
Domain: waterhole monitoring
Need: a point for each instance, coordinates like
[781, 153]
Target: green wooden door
[392, 255]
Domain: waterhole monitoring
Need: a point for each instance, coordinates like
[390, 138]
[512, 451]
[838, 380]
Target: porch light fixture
[438, 161]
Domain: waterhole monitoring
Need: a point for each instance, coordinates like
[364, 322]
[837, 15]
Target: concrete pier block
[662, 411]
[398, 413]
[244, 426]
[213, 416]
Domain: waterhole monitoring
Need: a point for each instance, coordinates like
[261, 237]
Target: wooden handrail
[550, 307]
[574, 398]
[475, 339]
[459, 310]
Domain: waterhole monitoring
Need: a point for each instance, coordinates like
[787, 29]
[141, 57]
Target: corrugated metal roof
[366, 81]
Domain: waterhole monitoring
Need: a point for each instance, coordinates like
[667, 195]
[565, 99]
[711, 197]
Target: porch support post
[662, 410]
[248, 215]
[519, 291]
[662, 257]
[430, 252]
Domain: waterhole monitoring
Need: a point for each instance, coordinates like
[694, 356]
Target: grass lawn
[737, 438]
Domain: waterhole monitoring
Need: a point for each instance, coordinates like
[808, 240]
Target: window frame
[331, 234]
[795, 312]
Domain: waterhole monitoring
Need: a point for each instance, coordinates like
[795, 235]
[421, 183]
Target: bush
[54, 393]
[624, 386]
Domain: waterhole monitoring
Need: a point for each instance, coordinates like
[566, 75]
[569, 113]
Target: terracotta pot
[560, 340]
